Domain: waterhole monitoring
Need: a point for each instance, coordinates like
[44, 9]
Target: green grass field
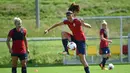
[71, 69]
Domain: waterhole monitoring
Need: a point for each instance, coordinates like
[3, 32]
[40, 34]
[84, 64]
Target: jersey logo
[21, 30]
[74, 24]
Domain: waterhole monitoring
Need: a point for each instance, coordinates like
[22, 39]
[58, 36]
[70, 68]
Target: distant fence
[58, 38]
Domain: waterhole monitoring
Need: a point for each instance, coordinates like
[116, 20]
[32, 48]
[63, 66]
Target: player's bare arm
[26, 44]
[85, 24]
[102, 38]
[8, 44]
[53, 26]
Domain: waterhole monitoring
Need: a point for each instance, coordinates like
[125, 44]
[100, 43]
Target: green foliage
[5, 60]
[41, 52]
[45, 52]
[57, 8]
[52, 11]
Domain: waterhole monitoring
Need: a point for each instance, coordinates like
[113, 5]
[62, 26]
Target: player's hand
[110, 41]
[46, 31]
[28, 51]
[10, 50]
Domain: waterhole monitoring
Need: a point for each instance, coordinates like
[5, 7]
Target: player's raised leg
[65, 38]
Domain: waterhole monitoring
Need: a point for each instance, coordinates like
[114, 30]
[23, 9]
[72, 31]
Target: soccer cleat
[101, 66]
[63, 53]
[105, 68]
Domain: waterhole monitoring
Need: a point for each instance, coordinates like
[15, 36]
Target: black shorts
[20, 56]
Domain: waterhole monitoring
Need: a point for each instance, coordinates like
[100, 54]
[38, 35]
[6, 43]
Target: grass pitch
[71, 69]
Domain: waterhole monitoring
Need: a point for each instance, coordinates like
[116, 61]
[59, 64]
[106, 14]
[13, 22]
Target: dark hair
[74, 7]
[69, 12]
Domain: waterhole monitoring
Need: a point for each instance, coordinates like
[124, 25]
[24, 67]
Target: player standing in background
[75, 8]
[78, 36]
[104, 42]
[19, 48]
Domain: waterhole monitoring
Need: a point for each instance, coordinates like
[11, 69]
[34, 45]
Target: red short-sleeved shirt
[103, 43]
[76, 29]
[18, 44]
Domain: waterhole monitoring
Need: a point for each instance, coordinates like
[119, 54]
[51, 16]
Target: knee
[109, 55]
[106, 55]
[64, 34]
[81, 56]
[14, 64]
[83, 60]
[23, 64]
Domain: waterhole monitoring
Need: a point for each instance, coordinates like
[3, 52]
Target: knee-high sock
[104, 61]
[65, 42]
[86, 69]
[24, 70]
[14, 70]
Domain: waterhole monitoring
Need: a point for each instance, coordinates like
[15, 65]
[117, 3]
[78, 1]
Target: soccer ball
[110, 66]
[72, 46]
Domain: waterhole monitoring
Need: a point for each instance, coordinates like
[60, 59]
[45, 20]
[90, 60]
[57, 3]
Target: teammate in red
[77, 36]
[104, 43]
[19, 48]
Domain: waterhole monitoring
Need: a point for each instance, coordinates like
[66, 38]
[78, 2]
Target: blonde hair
[104, 22]
[17, 21]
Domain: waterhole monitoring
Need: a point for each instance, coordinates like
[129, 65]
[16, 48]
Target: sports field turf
[71, 69]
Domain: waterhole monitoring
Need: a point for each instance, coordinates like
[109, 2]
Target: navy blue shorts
[105, 50]
[20, 56]
[80, 46]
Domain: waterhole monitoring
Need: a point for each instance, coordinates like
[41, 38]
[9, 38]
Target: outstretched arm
[85, 24]
[53, 26]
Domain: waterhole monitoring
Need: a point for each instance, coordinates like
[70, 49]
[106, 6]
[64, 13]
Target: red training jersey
[18, 44]
[76, 28]
[103, 43]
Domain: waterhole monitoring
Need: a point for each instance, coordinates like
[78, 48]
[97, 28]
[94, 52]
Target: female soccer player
[104, 42]
[75, 8]
[78, 36]
[19, 47]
